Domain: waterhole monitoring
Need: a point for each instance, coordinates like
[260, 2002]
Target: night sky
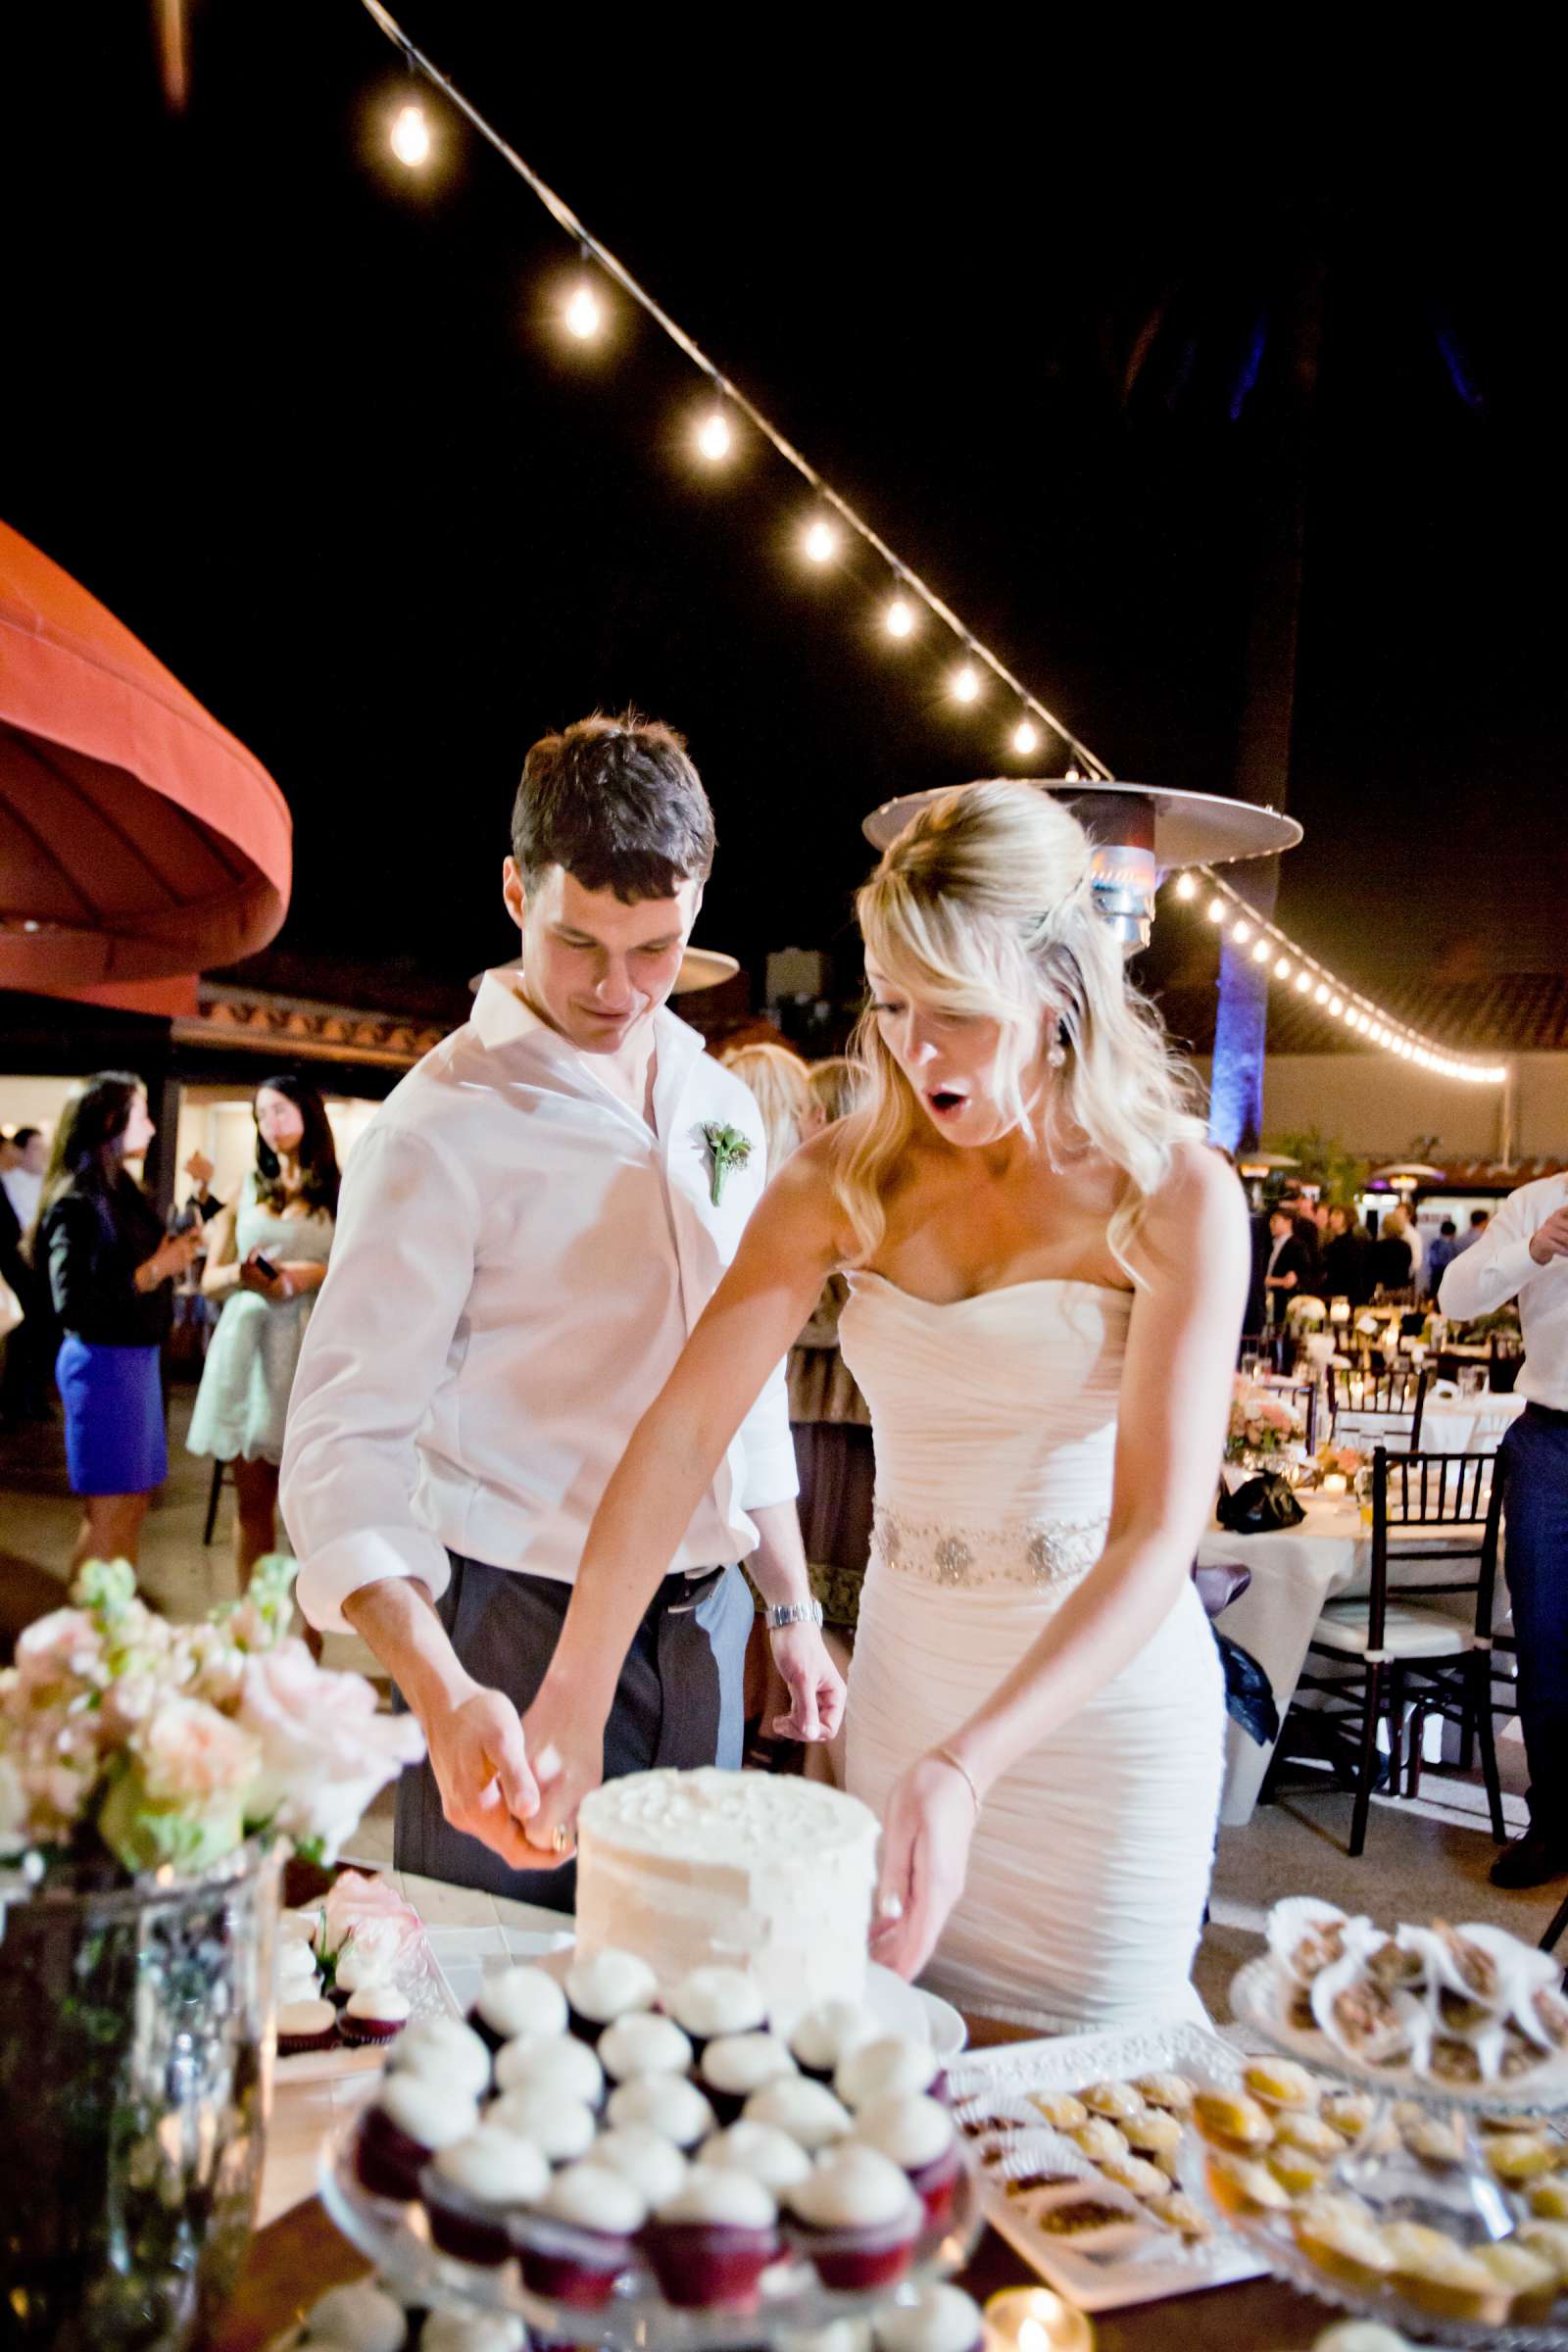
[306, 422]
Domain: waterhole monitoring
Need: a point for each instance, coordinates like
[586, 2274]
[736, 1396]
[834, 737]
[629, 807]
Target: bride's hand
[567, 1750]
[925, 1858]
[814, 1684]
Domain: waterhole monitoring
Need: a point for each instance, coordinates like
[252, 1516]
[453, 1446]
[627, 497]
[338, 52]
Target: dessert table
[299, 2254]
[1295, 1572]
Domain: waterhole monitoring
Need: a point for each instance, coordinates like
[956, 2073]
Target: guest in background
[22, 1177]
[1345, 1258]
[1524, 1256]
[1417, 1242]
[1391, 1258]
[266, 1257]
[1480, 1219]
[1288, 1264]
[25, 1388]
[831, 1425]
[781, 1085]
[1444, 1249]
[1304, 1226]
[111, 1270]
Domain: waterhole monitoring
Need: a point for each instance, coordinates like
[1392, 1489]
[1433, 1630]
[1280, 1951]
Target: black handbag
[1261, 1506]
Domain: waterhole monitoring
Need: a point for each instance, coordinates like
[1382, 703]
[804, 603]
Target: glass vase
[136, 2039]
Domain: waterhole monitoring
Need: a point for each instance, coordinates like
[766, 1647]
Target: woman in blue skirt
[111, 1270]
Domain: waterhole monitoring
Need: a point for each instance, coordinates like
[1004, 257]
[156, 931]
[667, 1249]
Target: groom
[528, 1230]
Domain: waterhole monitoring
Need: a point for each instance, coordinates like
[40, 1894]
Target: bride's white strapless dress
[995, 1424]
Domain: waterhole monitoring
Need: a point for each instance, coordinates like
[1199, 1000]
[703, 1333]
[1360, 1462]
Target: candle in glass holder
[1339, 1310]
[1031, 2318]
[1335, 1482]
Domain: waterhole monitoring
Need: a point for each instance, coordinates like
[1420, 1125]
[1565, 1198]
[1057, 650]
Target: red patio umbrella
[138, 840]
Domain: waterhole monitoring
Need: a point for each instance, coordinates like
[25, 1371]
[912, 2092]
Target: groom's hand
[480, 1761]
[814, 1684]
[566, 1742]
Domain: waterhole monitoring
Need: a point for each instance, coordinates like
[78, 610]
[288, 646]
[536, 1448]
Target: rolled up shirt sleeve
[1493, 1270]
[767, 1442]
[379, 1342]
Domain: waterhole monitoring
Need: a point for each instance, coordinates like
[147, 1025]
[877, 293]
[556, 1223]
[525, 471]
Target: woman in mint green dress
[282, 1220]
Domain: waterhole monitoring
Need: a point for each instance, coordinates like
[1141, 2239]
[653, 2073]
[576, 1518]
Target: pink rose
[191, 1754]
[325, 1750]
[362, 1908]
[66, 1647]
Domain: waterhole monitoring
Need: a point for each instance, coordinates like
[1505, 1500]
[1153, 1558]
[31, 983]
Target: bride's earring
[1057, 1051]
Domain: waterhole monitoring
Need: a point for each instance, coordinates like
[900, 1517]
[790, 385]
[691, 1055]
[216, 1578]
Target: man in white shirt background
[1523, 1254]
[528, 1230]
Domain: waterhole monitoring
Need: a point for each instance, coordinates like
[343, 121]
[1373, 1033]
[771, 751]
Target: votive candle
[1335, 1482]
[1031, 2318]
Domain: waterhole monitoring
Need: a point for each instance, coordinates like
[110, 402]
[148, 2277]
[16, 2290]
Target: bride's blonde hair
[983, 906]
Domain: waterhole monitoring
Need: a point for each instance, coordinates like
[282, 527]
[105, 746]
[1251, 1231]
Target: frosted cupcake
[918, 2134]
[353, 1971]
[651, 2162]
[856, 2219]
[664, 2103]
[736, 2065]
[891, 2068]
[563, 2130]
[575, 2242]
[770, 2155]
[305, 2025]
[445, 2049]
[561, 2069]
[823, 2036]
[710, 2242]
[518, 2002]
[409, 2122]
[610, 1985]
[473, 2188]
[472, 2332]
[358, 2318]
[808, 2111]
[375, 2012]
[641, 2044]
[711, 2001]
[940, 2318]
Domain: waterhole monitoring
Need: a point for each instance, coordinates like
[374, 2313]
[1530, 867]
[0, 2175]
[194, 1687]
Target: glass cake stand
[636, 2318]
[1461, 2197]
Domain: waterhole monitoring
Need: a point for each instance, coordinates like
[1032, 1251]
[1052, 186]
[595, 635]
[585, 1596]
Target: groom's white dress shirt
[1500, 1267]
[517, 1263]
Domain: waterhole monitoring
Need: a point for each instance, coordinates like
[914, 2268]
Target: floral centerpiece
[1262, 1422]
[152, 1778]
[1305, 1312]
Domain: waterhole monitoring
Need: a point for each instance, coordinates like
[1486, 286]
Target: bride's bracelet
[946, 1755]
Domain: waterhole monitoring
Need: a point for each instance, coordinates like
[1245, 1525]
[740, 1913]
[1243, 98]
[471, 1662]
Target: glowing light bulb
[584, 313]
[1304, 983]
[1216, 910]
[1336, 1005]
[1261, 951]
[410, 136]
[1281, 967]
[1320, 994]
[821, 542]
[1242, 932]
[899, 618]
[965, 684]
[1187, 886]
[1025, 736]
[714, 440]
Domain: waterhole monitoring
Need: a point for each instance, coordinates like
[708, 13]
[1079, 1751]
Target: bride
[1046, 1272]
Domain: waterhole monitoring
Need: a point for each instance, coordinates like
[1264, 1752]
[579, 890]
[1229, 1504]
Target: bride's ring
[560, 1837]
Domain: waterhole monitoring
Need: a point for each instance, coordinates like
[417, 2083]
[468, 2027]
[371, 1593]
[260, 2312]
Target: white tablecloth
[1295, 1572]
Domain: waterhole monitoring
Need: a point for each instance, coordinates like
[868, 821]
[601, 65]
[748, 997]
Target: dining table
[296, 2253]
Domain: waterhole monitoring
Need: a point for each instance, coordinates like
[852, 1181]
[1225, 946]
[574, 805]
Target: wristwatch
[792, 1612]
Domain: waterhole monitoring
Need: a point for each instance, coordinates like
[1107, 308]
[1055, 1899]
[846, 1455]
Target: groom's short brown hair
[617, 803]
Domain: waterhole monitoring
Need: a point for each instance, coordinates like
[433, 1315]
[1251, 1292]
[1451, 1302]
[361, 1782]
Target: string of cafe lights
[584, 316]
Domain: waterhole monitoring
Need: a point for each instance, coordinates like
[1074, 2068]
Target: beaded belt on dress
[1035, 1554]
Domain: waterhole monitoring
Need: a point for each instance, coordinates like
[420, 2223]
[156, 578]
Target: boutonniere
[727, 1149]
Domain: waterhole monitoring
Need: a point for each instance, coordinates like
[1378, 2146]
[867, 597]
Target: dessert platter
[354, 1969]
[692, 2119]
[1079, 2143]
[1416, 2172]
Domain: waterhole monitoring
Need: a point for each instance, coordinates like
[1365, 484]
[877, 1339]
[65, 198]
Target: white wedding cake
[748, 1870]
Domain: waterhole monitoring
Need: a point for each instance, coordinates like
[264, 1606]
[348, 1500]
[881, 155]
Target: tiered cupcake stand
[1462, 2198]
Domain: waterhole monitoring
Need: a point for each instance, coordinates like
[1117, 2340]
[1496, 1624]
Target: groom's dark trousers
[679, 1701]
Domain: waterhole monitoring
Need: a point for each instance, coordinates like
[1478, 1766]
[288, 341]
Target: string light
[584, 317]
[714, 440]
[410, 136]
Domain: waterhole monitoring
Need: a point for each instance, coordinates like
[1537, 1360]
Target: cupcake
[360, 2317]
[664, 2103]
[641, 2044]
[472, 2188]
[562, 2129]
[306, 2024]
[823, 2036]
[711, 2001]
[352, 1970]
[447, 2050]
[299, 1926]
[472, 2332]
[939, 2318]
[516, 2003]
[885, 2069]
[409, 2122]
[918, 2134]
[737, 2064]
[710, 2242]
[561, 2069]
[652, 2163]
[611, 1985]
[856, 2219]
[808, 2111]
[298, 1976]
[575, 2242]
[761, 2149]
[377, 2013]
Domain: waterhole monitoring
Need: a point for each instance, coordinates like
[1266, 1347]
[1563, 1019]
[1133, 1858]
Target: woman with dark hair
[266, 1257]
[111, 1270]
